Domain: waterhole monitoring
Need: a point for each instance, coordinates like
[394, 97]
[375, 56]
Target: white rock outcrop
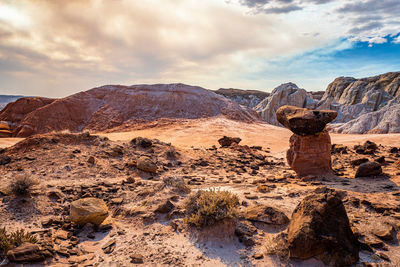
[352, 98]
[385, 120]
[285, 94]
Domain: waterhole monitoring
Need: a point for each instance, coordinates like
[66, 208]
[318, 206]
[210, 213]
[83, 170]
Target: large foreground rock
[303, 121]
[88, 210]
[285, 94]
[113, 106]
[320, 228]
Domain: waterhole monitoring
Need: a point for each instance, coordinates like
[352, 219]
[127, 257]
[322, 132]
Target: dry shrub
[205, 208]
[14, 239]
[22, 185]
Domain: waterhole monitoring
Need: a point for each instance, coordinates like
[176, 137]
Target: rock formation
[285, 94]
[5, 99]
[310, 145]
[352, 97]
[320, 228]
[248, 98]
[5, 129]
[385, 120]
[88, 210]
[107, 107]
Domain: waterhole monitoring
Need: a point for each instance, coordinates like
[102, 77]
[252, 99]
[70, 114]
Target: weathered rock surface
[385, 120]
[364, 105]
[310, 155]
[303, 121]
[285, 94]
[320, 228]
[368, 169]
[88, 210]
[5, 99]
[110, 106]
[26, 252]
[5, 129]
[248, 98]
[146, 164]
[228, 141]
[266, 214]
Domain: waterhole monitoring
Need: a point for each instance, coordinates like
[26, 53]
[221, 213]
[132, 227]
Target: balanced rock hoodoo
[310, 145]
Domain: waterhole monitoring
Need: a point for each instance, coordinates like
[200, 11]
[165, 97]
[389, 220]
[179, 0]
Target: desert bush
[22, 185]
[14, 239]
[205, 208]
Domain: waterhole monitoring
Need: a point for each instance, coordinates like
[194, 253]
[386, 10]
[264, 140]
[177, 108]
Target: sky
[56, 48]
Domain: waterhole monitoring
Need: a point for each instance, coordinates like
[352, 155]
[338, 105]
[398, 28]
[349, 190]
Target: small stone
[91, 160]
[55, 194]
[228, 141]
[88, 210]
[117, 200]
[137, 258]
[258, 256]
[357, 162]
[266, 214]
[61, 234]
[165, 207]
[4, 160]
[146, 164]
[142, 142]
[26, 252]
[384, 232]
[109, 246]
[369, 169]
[130, 180]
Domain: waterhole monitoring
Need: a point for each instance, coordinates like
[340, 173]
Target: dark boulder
[368, 169]
[320, 228]
[304, 121]
[228, 141]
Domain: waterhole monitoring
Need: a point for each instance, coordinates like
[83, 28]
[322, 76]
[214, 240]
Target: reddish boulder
[368, 169]
[228, 141]
[320, 228]
[310, 155]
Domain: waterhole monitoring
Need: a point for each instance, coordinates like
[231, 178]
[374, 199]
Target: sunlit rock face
[370, 98]
[310, 146]
[285, 94]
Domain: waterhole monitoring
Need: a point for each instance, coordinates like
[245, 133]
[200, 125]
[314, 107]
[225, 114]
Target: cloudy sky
[56, 47]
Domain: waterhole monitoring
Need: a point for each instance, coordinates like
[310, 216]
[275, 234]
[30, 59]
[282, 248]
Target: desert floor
[60, 163]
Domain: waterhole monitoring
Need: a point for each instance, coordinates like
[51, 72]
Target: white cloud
[56, 48]
[396, 40]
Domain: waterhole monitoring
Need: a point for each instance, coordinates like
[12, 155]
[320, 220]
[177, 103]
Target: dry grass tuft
[14, 239]
[22, 185]
[205, 208]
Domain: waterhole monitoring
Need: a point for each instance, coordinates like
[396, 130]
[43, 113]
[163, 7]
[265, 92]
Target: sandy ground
[63, 167]
[206, 132]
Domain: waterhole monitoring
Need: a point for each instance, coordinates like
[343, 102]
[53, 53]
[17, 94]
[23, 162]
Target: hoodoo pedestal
[310, 145]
